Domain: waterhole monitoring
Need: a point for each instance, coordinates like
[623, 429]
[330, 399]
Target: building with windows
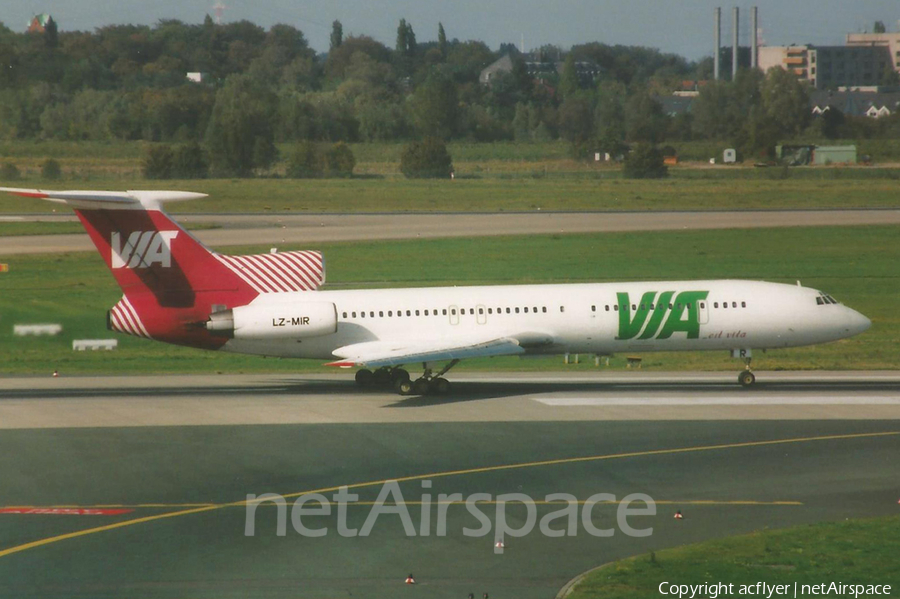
[832, 67]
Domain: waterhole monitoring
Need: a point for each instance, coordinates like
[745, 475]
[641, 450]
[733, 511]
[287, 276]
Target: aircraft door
[454, 315]
[703, 311]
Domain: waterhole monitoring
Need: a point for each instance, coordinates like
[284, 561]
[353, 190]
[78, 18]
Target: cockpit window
[825, 299]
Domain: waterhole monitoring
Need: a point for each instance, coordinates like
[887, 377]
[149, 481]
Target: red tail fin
[171, 281]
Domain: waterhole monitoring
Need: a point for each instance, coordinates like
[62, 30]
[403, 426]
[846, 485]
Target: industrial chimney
[735, 14]
[717, 33]
[754, 35]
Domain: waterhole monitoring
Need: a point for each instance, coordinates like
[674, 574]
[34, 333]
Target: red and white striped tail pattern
[279, 272]
[124, 319]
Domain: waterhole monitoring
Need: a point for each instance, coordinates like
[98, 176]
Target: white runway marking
[718, 400]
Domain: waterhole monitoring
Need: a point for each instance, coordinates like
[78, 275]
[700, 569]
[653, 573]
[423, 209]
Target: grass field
[855, 264]
[587, 193]
[851, 552]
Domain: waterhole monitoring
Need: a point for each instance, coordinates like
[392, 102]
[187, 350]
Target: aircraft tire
[420, 386]
[364, 377]
[746, 378]
[440, 386]
[403, 386]
[399, 374]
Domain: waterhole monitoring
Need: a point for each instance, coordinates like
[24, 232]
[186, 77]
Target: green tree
[402, 43]
[435, 106]
[337, 35]
[568, 79]
[426, 159]
[879, 27]
[645, 161]
[645, 119]
[158, 162]
[576, 120]
[9, 172]
[339, 161]
[786, 101]
[51, 34]
[50, 170]
[189, 162]
[442, 40]
[240, 136]
[305, 162]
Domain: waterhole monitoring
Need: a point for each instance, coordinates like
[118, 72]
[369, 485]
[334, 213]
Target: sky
[682, 27]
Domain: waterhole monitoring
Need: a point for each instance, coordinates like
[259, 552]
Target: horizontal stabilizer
[110, 200]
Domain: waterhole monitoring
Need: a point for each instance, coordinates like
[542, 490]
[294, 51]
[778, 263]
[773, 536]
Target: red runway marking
[40, 511]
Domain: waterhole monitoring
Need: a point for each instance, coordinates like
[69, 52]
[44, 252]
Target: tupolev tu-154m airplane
[178, 291]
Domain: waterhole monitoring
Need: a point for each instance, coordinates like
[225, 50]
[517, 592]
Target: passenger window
[354, 314]
[408, 313]
[544, 309]
[417, 312]
[562, 308]
[593, 308]
[534, 309]
[643, 307]
[517, 310]
[481, 310]
[715, 304]
[471, 311]
[734, 304]
[490, 310]
[372, 314]
[526, 309]
[616, 307]
[345, 315]
[426, 312]
[453, 312]
[507, 310]
[725, 304]
[362, 314]
[607, 307]
[444, 311]
[743, 304]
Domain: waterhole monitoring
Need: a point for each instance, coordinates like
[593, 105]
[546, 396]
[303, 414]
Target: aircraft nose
[856, 322]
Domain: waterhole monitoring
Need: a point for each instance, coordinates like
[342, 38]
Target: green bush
[339, 161]
[50, 170]
[189, 162]
[305, 162]
[645, 161]
[427, 159]
[9, 172]
[158, 162]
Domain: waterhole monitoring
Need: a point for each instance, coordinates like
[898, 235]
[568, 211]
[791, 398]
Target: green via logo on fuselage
[678, 315]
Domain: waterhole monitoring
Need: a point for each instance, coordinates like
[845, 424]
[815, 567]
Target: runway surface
[46, 402]
[137, 486]
[277, 229]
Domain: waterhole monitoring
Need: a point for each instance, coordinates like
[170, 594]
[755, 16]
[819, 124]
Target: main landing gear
[746, 378]
[399, 380]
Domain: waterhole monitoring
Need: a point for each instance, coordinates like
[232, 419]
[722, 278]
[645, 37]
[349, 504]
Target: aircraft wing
[375, 354]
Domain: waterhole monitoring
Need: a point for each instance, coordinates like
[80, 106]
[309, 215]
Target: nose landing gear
[746, 378]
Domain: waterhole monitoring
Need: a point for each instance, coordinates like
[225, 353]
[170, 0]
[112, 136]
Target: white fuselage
[601, 318]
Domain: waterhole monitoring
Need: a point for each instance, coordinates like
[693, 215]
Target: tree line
[262, 87]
